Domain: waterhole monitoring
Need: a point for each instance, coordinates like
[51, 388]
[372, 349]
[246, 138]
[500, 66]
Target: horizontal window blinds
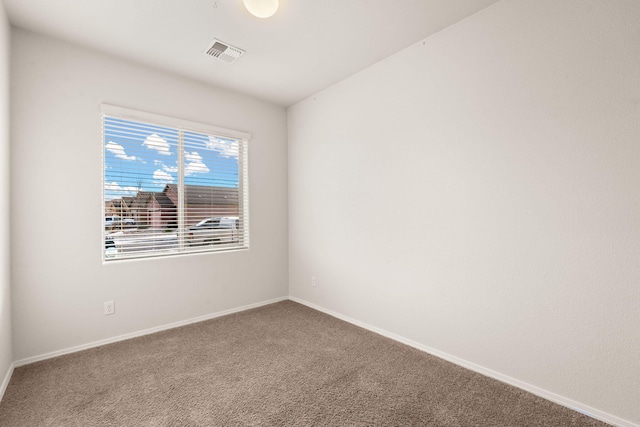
[171, 187]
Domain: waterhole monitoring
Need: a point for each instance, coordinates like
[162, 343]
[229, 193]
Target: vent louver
[223, 51]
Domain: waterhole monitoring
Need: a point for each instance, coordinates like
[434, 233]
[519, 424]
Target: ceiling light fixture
[261, 8]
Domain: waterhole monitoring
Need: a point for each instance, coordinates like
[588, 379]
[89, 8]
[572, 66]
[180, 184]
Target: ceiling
[305, 47]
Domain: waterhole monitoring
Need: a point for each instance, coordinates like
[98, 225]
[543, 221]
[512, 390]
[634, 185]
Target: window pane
[210, 190]
[140, 160]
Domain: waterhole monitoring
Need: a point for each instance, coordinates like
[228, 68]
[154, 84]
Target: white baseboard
[545, 394]
[5, 381]
[124, 337]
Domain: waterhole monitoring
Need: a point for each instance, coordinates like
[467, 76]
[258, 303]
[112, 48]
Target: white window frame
[107, 110]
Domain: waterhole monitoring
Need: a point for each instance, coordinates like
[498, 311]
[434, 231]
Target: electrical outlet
[109, 307]
[313, 280]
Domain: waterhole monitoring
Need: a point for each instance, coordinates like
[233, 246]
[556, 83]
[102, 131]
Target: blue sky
[145, 157]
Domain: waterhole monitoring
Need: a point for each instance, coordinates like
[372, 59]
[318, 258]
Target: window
[171, 186]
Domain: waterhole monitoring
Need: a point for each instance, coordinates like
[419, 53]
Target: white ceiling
[307, 46]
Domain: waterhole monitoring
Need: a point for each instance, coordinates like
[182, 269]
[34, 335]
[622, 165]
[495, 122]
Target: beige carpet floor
[279, 365]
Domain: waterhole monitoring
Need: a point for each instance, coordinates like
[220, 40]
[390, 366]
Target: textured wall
[477, 193]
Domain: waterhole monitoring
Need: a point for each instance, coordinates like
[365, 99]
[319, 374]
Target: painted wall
[478, 193]
[6, 349]
[59, 281]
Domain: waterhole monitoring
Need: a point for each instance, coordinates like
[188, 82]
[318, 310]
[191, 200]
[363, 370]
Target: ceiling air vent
[223, 51]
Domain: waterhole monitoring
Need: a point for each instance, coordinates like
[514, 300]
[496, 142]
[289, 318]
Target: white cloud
[225, 147]
[160, 177]
[155, 142]
[192, 156]
[118, 151]
[194, 163]
[168, 169]
[112, 190]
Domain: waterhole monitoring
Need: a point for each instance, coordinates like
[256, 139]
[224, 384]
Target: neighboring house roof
[117, 204]
[140, 200]
[194, 195]
[207, 195]
[128, 200]
[163, 200]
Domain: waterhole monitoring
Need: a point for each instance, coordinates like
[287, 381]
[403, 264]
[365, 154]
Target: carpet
[279, 365]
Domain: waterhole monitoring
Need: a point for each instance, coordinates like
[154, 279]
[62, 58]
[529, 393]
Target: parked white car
[213, 231]
[112, 221]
